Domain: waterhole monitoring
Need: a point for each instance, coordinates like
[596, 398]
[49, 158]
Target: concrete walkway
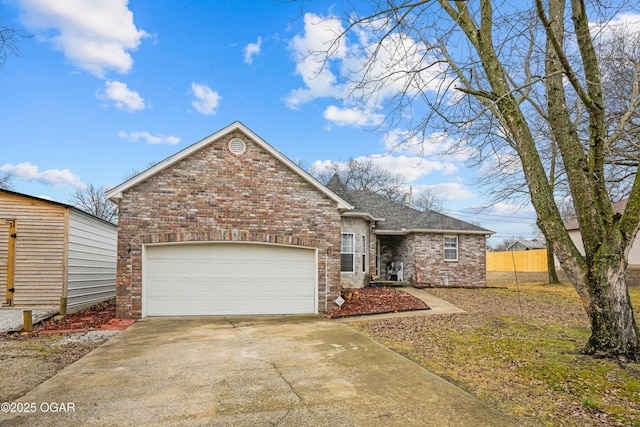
[247, 371]
[436, 306]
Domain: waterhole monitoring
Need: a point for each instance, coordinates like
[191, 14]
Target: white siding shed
[91, 274]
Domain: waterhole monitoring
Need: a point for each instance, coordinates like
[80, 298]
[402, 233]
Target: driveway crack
[293, 390]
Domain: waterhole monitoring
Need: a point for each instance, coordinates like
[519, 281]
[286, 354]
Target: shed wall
[91, 276]
[39, 251]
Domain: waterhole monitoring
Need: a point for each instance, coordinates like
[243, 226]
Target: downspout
[326, 280]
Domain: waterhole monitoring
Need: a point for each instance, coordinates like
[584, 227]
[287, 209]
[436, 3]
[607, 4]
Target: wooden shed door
[7, 256]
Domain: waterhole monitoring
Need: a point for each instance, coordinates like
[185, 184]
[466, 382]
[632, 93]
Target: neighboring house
[573, 228]
[50, 250]
[229, 225]
[395, 242]
[527, 245]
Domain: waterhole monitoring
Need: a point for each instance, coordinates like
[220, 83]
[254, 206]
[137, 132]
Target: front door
[7, 256]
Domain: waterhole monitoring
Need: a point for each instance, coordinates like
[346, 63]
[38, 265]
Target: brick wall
[213, 195]
[429, 267]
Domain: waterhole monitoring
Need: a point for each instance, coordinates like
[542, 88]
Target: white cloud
[623, 22]
[122, 97]
[508, 209]
[149, 138]
[506, 164]
[56, 177]
[95, 35]
[205, 100]
[411, 168]
[307, 49]
[401, 141]
[341, 68]
[252, 50]
[398, 56]
[350, 117]
[449, 191]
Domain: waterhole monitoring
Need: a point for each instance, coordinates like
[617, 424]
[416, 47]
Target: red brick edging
[113, 325]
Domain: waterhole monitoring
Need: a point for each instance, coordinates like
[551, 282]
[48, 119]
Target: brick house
[395, 242]
[229, 225]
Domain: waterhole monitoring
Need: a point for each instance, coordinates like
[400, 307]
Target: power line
[494, 218]
[492, 215]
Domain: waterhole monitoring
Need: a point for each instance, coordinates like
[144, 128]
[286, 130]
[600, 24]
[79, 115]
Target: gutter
[365, 215]
[404, 231]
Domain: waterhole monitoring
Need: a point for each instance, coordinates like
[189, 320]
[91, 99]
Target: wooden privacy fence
[525, 261]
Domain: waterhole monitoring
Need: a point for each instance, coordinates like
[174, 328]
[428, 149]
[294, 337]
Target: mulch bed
[377, 301]
[99, 317]
[102, 316]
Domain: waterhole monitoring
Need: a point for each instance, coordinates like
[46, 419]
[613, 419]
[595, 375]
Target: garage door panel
[222, 279]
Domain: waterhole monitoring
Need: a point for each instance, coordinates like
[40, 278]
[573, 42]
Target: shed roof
[115, 194]
[52, 202]
[395, 218]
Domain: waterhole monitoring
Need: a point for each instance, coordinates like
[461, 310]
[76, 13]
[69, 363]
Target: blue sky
[106, 87]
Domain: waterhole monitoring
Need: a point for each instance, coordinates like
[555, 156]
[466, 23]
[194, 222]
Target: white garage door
[228, 278]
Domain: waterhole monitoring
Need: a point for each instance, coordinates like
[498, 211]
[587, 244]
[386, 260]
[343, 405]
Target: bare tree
[6, 181]
[364, 174]
[425, 200]
[463, 66]
[92, 200]
[135, 172]
[9, 40]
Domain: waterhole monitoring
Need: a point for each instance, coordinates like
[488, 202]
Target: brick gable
[213, 195]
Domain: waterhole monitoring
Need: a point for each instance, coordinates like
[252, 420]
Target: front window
[364, 253]
[347, 253]
[450, 248]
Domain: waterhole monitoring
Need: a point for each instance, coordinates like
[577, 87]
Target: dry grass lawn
[520, 353]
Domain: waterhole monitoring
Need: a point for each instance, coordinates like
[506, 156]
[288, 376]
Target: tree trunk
[551, 265]
[599, 274]
[613, 327]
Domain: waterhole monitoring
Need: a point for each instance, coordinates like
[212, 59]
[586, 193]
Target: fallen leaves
[530, 370]
[91, 318]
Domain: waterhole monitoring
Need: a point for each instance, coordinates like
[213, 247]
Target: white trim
[365, 253]
[116, 193]
[353, 253]
[444, 249]
[143, 291]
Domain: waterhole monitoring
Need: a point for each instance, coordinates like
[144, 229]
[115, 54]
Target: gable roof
[527, 244]
[52, 202]
[395, 218]
[618, 207]
[115, 194]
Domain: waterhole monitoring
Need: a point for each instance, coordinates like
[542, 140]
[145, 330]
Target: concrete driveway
[246, 371]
